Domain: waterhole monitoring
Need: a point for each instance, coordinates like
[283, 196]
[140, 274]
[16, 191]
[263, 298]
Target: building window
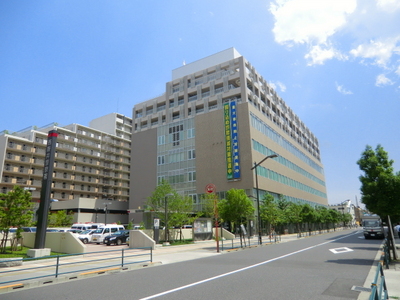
[194, 198]
[65, 175]
[21, 169]
[161, 160]
[23, 158]
[8, 168]
[192, 154]
[192, 176]
[64, 185]
[66, 165]
[190, 133]
[161, 140]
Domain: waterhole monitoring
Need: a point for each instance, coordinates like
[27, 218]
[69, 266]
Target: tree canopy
[380, 187]
[236, 207]
[167, 202]
[15, 211]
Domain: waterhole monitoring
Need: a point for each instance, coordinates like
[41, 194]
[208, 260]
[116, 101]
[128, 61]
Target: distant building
[89, 163]
[217, 117]
[346, 207]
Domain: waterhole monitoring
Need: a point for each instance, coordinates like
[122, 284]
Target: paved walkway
[161, 255]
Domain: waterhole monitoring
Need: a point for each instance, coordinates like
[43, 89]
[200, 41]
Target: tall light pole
[258, 196]
[106, 210]
[166, 238]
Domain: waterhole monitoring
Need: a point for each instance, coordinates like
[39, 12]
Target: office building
[217, 117]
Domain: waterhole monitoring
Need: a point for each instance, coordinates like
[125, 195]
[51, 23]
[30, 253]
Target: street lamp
[105, 210]
[258, 196]
[166, 238]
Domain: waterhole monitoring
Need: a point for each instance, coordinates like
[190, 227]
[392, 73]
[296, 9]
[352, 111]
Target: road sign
[210, 188]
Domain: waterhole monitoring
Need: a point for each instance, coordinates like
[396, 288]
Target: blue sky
[336, 63]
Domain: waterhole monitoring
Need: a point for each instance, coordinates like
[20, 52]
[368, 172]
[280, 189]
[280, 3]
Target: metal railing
[248, 241]
[57, 265]
[378, 286]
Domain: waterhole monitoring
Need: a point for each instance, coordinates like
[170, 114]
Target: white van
[100, 233]
[86, 226]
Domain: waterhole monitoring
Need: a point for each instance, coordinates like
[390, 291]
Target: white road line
[242, 269]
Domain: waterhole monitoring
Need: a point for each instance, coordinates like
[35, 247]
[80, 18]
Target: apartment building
[91, 166]
[217, 117]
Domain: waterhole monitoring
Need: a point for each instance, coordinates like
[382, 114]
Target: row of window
[175, 137]
[277, 138]
[267, 173]
[265, 151]
[180, 178]
[176, 157]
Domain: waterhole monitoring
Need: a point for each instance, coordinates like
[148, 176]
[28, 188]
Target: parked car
[29, 229]
[102, 232]
[117, 238]
[86, 235]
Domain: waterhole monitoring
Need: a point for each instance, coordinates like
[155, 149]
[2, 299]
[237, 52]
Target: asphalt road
[321, 267]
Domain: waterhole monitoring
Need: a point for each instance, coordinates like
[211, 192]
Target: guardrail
[248, 241]
[378, 287]
[57, 265]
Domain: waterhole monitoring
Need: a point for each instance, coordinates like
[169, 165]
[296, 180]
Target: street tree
[270, 212]
[15, 211]
[308, 215]
[60, 218]
[380, 187]
[293, 214]
[236, 208]
[171, 207]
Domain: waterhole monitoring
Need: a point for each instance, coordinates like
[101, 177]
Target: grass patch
[20, 253]
[179, 243]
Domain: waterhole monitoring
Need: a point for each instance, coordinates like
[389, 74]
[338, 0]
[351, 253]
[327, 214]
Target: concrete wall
[63, 242]
[138, 239]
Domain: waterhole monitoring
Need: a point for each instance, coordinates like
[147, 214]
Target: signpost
[211, 189]
[46, 190]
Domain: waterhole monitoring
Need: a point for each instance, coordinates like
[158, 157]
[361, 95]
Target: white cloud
[279, 85]
[388, 5]
[309, 21]
[382, 80]
[332, 29]
[398, 70]
[318, 55]
[379, 50]
[342, 90]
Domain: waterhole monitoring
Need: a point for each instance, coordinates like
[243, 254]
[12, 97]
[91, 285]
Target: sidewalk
[172, 254]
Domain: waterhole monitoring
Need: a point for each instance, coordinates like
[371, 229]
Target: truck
[373, 227]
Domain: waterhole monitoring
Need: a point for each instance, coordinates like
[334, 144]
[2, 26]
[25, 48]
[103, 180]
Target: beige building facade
[217, 117]
[89, 163]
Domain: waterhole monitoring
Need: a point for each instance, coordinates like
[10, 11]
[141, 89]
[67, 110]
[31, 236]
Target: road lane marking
[340, 250]
[242, 269]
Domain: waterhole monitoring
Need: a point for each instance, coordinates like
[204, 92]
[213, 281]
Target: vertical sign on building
[235, 141]
[46, 190]
[231, 141]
